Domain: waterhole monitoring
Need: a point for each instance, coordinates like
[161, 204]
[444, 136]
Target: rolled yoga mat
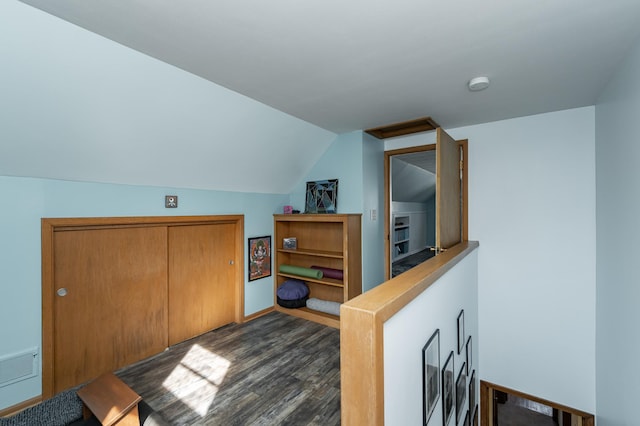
[336, 274]
[300, 271]
[325, 306]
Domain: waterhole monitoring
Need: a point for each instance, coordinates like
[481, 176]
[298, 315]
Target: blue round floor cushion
[293, 290]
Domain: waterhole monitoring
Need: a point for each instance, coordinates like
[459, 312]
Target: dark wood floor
[274, 370]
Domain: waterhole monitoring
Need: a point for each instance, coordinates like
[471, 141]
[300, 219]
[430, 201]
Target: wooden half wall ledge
[361, 334]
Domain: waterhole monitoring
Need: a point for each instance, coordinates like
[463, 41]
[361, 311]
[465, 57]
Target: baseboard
[10, 411]
[258, 314]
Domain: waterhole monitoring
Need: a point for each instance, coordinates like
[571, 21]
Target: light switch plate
[171, 201]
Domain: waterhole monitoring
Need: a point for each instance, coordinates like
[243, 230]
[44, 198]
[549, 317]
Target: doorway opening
[411, 205]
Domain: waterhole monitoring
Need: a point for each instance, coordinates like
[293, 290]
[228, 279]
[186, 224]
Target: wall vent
[19, 366]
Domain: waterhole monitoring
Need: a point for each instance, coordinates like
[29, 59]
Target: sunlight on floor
[196, 380]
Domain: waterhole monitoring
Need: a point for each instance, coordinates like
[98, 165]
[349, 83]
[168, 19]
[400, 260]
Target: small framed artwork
[472, 391]
[447, 390]
[259, 257]
[430, 375]
[461, 392]
[475, 416]
[460, 331]
[322, 196]
[469, 355]
[290, 243]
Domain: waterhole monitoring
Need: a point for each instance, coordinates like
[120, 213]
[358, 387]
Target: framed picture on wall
[469, 355]
[430, 375]
[461, 331]
[447, 390]
[474, 422]
[259, 257]
[322, 196]
[472, 391]
[461, 392]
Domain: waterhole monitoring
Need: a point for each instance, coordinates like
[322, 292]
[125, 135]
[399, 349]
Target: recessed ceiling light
[478, 83]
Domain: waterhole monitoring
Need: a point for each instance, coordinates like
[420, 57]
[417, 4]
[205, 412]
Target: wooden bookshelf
[326, 240]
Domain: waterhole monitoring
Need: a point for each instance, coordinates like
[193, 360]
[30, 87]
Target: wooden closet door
[201, 279]
[111, 300]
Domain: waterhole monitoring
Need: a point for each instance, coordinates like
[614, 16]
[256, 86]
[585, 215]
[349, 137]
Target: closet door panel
[110, 300]
[201, 279]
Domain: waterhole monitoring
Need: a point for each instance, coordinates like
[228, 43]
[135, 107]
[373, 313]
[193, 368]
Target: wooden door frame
[488, 413]
[51, 225]
[387, 192]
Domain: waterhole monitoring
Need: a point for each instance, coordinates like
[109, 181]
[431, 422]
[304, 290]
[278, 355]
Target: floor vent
[17, 367]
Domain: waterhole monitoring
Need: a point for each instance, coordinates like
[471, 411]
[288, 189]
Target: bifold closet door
[201, 279]
[110, 302]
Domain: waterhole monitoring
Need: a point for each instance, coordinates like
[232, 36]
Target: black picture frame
[447, 390]
[322, 196]
[430, 375]
[469, 349]
[461, 392]
[475, 416]
[472, 391]
[259, 257]
[461, 335]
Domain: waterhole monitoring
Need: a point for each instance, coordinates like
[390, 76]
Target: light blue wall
[356, 160]
[77, 106]
[373, 199]
[618, 253]
[26, 200]
[342, 161]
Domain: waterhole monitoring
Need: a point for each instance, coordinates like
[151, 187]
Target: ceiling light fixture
[478, 83]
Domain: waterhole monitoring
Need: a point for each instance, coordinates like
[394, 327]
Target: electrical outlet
[171, 201]
[374, 215]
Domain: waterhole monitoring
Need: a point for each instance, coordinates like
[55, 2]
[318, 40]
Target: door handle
[61, 292]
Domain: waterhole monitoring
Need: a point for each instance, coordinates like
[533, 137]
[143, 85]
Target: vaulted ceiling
[348, 65]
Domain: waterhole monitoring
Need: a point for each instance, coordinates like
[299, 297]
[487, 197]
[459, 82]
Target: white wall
[26, 200]
[421, 217]
[408, 331]
[532, 208]
[618, 254]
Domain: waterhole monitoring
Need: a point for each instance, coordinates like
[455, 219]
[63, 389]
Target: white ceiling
[349, 65]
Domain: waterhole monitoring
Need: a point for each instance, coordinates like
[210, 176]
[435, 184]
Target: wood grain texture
[361, 327]
[418, 125]
[201, 279]
[278, 369]
[486, 397]
[111, 401]
[115, 281]
[448, 191]
[52, 227]
[327, 240]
